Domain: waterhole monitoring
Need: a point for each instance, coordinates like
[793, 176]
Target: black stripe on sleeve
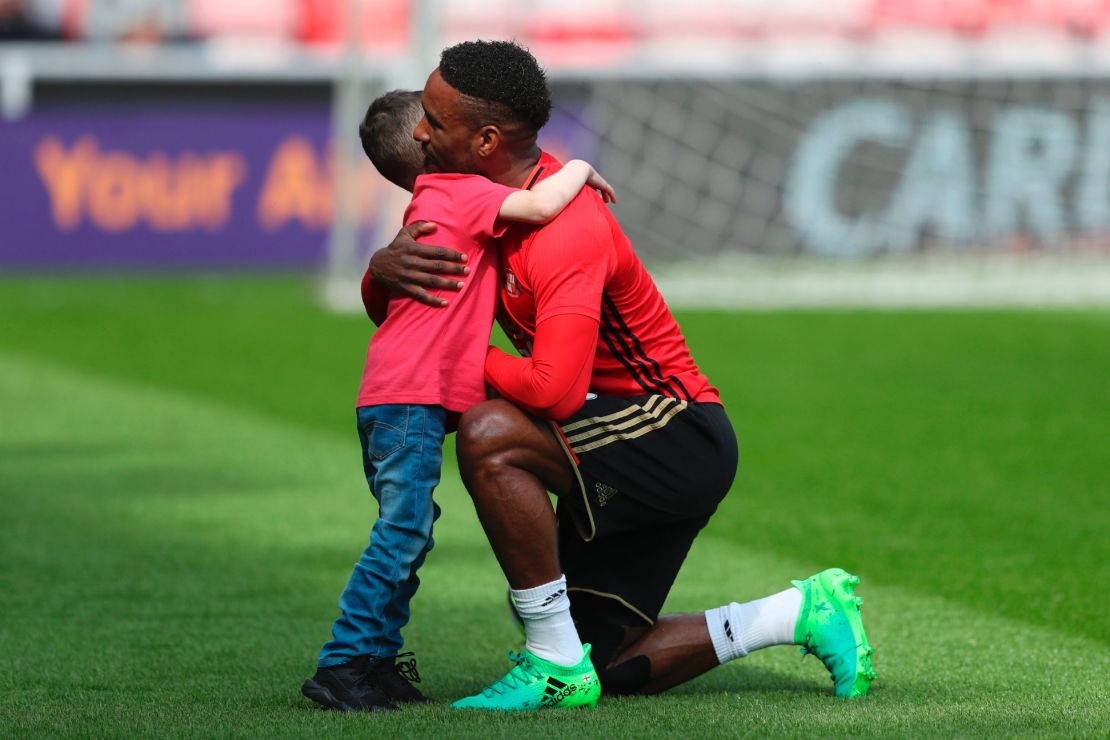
[607, 335]
[637, 366]
[642, 357]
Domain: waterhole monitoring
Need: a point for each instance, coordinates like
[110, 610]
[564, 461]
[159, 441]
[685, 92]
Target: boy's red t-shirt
[427, 355]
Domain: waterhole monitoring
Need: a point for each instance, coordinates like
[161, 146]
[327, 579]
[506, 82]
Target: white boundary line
[735, 282]
[996, 281]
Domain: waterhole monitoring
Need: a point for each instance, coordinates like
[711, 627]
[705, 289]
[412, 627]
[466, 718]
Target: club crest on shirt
[510, 283]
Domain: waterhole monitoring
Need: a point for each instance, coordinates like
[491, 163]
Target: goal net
[857, 168]
[764, 191]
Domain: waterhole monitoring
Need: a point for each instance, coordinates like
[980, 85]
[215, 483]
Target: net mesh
[856, 168]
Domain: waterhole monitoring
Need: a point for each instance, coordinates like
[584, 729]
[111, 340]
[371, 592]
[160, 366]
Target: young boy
[424, 367]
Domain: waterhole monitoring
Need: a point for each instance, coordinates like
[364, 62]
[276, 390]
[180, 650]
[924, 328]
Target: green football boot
[534, 683]
[830, 627]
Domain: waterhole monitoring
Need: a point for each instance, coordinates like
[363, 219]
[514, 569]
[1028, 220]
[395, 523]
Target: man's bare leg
[679, 647]
[820, 612]
[509, 461]
[674, 650]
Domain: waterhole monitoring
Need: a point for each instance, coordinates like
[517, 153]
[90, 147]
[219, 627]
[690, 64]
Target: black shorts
[652, 470]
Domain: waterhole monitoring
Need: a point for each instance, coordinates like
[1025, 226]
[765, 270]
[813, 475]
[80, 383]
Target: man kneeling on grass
[605, 408]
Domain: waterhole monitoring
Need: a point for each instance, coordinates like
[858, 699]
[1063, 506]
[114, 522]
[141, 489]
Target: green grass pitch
[182, 501]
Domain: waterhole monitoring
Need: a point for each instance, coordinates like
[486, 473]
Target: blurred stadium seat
[277, 19]
[385, 24]
[982, 16]
[606, 21]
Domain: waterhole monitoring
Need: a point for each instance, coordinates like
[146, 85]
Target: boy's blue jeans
[402, 452]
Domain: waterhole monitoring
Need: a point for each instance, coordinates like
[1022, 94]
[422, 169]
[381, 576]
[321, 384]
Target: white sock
[548, 629]
[738, 629]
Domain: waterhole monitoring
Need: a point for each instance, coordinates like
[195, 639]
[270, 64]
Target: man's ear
[489, 139]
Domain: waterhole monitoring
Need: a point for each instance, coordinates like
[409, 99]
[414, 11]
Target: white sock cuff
[543, 598]
[723, 631]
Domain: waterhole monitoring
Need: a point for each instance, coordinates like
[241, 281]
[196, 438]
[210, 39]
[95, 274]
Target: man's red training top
[582, 264]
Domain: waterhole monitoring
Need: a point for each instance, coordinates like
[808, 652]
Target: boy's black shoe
[396, 676]
[347, 688]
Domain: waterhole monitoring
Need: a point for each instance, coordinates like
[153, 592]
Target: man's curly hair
[504, 83]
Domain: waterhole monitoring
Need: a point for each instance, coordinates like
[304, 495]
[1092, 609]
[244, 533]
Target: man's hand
[407, 267]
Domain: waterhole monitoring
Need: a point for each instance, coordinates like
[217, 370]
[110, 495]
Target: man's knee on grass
[609, 629]
[626, 678]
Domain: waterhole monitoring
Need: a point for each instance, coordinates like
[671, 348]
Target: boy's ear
[488, 138]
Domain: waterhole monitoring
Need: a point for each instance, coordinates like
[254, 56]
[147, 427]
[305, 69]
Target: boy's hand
[407, 267]
[597, 182]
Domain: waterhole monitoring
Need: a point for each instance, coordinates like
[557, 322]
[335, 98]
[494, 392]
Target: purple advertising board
[201, 185]
[144, 186]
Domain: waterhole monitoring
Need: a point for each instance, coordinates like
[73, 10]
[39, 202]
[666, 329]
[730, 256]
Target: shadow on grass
[738, 678]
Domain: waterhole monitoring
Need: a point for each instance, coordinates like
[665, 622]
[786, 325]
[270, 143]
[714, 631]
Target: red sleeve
[375, 299]
[569, 261]
[552, 383]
